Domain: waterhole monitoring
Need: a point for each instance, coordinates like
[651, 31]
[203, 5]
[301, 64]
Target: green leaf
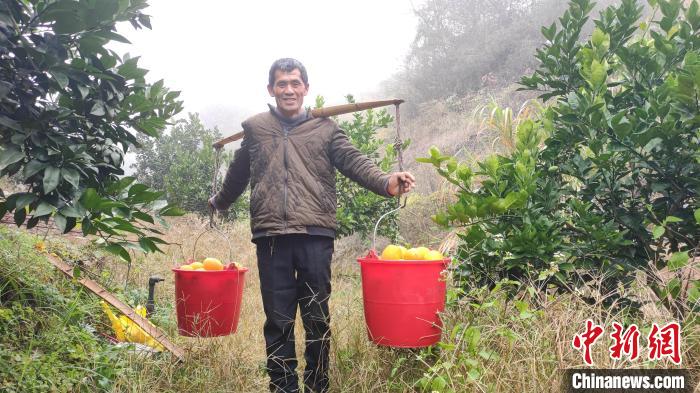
[110, 35]
[694, 292]
[130, 70]
[24, 199]
[10, 123]
[9, 156]
[75, 211]
[68, 16]
[51, 178]
[61, 222]
[658, 231]
[119, 251]
[673, 288]
[171, 211]
[146, 196]
[692, 15]
[20, 215]
[98, 109]
[60, 78]
[77, 273]
[148, 245]
[143, 216]
[90, 200]
[599, 74]
[137, 189]
[71, 175]
[678, 260]
[697, 216]
[621, 126]
[548, 32]
[438, 384]
[672, 219]
[43, 209]
[652, 144]
[566, 267]
[150, 126]
[32, 168]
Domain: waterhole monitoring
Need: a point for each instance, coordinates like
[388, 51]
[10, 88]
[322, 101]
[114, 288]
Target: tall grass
[490, 344]
[523, 346]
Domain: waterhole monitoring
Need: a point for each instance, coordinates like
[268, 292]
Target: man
[290, 160]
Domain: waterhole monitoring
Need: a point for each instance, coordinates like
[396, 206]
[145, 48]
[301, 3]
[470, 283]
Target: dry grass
[236, 363]
[455, 127]
[531, 361]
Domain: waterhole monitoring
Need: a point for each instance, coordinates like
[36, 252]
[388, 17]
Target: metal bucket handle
[211, 227]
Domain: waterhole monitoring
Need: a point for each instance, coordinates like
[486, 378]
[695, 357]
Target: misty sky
[218, 52]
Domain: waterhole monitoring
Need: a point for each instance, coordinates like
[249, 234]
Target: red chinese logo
[586, 339]
[665, 342]
[624, 343]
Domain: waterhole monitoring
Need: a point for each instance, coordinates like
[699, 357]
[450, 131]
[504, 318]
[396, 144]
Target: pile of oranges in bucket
[209, 264]
[393, 252]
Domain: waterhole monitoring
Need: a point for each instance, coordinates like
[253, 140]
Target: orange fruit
[196, 265]
[200, 269]
[403, 251]
[212, 264]
[392, 252]
[186, 267]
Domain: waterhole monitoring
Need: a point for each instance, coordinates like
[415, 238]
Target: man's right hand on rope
[395, 181]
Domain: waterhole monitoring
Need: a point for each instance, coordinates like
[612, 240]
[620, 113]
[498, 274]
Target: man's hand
[399, 178]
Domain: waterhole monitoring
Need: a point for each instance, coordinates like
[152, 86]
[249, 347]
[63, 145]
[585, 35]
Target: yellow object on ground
[126, 330]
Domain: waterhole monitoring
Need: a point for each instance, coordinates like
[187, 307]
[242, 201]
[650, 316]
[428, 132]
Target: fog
[218, 53]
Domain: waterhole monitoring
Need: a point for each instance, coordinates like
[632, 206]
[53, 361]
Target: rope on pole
[215, 180]
[398, 147]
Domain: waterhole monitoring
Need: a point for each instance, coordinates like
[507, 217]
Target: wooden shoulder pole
[322, 112]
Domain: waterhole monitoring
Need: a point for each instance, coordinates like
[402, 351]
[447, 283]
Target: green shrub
[606, 184]
[70, 108]
[358, 208]
[181, 164]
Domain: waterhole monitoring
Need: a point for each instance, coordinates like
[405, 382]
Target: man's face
[289, 91]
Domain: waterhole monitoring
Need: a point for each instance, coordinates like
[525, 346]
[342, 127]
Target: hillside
[514, 346]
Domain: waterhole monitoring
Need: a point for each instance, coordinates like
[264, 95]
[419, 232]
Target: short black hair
[287, 64]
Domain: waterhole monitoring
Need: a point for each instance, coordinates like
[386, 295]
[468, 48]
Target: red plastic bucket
[208, 303]
[402, 300]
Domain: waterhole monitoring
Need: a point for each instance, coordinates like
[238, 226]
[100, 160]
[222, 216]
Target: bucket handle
[376, 226]
[211, 227]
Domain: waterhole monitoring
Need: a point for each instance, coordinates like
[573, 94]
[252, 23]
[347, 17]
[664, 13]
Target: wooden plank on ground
[124, 308]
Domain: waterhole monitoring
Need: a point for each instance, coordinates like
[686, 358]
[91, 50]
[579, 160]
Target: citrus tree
[181, 162]
[359, 209]
[70, 108]
[606, 183]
